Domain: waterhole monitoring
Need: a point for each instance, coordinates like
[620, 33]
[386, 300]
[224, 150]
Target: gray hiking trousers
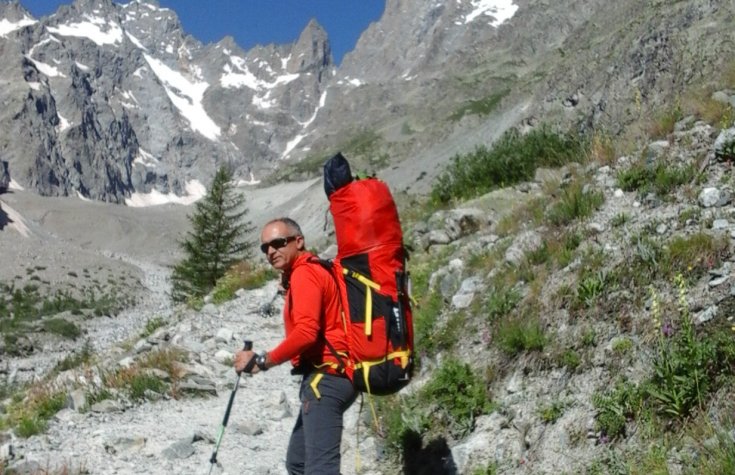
[314, 448]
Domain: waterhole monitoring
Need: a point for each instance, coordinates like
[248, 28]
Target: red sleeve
[304, 309]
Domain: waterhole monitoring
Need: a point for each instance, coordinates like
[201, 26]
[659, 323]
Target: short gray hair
[292, 225]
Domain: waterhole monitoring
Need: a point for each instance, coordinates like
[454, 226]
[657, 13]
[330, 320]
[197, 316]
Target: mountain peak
[312, 52]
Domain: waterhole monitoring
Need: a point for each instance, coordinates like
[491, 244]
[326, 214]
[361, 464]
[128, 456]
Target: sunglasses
[276, 243]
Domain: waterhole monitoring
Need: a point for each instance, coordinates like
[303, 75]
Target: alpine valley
[114, 121]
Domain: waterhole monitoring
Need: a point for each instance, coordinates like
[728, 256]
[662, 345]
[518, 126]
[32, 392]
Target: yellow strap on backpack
[369, 284]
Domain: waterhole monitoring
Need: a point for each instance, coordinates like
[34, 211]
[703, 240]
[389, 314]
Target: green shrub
[98, 395]
[575, 204]
[141, 383]
[620, 219]
[151, 325]
[456, 391]
[550, 413]
[661, 178]
[62, 327]
[75, 359]
[682, 365]
[520, 333]
[589, 337]
[716, 458]
[448, 335]
[727, 152]
[491, 469]
[242, 275]
[622, 346]
[694, 254]
[512, 159]
[501, 302]
[663, 124]
[539, 256]
[565, 252]
[29, 426]
[590, 287]
[570, 359]
[30, 415]
[426, 315]
[615, 407]
[403, 416]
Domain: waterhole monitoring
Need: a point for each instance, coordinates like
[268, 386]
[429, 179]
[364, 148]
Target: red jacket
[312, 312]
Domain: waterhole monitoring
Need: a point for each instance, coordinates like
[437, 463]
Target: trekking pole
[266, 310]
[213, 460]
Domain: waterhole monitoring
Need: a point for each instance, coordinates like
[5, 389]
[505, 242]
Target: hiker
[312, 321]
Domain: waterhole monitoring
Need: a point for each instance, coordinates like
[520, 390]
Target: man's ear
[300, 243]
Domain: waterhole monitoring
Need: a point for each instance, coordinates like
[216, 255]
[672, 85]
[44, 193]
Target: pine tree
[216, 241]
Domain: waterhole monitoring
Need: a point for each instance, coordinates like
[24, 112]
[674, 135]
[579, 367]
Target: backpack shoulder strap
[328, 265]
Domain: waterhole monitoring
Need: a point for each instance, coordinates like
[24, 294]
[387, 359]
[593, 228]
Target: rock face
[105, 99]
[4, 177]
[108, 99]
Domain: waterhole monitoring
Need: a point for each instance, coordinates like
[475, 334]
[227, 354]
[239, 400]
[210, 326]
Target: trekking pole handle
[248, 346]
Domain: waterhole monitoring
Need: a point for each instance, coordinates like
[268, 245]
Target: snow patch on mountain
[46, 69]
[499, 10]
[186, 96]
[96, 29]
[7, 27]
[195, 191]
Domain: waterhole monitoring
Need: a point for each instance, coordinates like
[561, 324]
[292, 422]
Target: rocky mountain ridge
[163, 110]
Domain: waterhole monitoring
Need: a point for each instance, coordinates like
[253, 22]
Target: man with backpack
[315, 343]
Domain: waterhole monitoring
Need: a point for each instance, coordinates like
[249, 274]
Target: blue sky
[253, 22]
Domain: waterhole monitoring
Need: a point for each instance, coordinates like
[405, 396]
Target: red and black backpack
[370, 270]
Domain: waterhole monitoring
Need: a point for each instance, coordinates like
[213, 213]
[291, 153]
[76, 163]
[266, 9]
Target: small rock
[76, 400]
[720, 224]
[706, 315]
[596, 228]
[179, 450]
[224, 335]
[438, 237]
[190, 386]
[209, 309]
[106, 406]
[709, 197]
[250, 429]
[718, 281]
[126, 362]
[7, 452]
[223, 356]
[515, 384]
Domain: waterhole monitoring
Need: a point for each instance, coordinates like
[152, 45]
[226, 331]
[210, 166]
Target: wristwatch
[260, 362]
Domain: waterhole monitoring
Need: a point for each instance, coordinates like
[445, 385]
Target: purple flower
[668, 329]
[604, 439]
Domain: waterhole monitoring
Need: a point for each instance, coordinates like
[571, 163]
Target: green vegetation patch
[520, 333]
[30, 415]
[481, 107]
[660, 178]
[512, 159]
[575, 203]
[242, 275]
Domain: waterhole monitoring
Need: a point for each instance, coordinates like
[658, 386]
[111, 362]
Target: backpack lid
[337, 174]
